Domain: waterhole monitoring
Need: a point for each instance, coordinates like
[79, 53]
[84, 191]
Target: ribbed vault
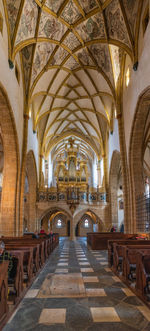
[72, 53]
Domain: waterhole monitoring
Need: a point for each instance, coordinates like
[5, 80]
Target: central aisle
[77, 291]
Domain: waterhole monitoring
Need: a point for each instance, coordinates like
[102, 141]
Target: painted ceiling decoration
[72, 54]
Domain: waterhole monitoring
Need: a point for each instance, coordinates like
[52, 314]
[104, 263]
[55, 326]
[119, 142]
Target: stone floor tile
[128, 292]
[95, 292]
[108, 269]
[90, 279]
[116, 279]
[61, 271]
[86, 270]
[62, 264]
[104, 314]
[145, 311]
[32, 293]
[52, 316]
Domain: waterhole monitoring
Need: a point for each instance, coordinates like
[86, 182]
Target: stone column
[72, 230]
[105, 165]
[22, 175]
[125, 175]
[99, 178]
[40, 169]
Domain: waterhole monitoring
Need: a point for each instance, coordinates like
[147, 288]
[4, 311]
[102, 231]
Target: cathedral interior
[75, 151]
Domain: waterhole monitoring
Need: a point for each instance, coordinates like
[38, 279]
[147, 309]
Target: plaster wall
[113, 142]
[139, 81]
[9, 81]
[33, 143]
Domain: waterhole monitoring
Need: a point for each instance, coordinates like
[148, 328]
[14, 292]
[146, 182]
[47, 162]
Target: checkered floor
[77, 291]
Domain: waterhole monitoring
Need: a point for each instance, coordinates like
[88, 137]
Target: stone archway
[51, 216]
[30, 202]
[136, 152]
[115, 169]
[8, 217]
[95, 218]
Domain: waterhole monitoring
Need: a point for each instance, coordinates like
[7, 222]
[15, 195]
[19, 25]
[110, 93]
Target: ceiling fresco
[72, 52]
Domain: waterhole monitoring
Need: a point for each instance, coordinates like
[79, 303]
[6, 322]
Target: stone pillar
[40, 169]
[99, 178]
[22, 175]
[72, 230]
[46, 172]
[105, 165]
[125, 175]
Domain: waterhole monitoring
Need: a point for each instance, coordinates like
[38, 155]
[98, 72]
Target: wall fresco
[12, 7]
[71, 63]
[50, 27]
[26, 59]
[101, 54]
[42, 55]
[115, 23]
[71, 41]
[84, 58]
[59, 56]
[131, 8]
[93, 28]
[28, 21]
[71, 13]
[88, 5]
[54, 5]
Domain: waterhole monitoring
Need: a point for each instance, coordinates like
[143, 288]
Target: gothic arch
[80, 215]
[136, 151]
[31, 172]
[9, 217]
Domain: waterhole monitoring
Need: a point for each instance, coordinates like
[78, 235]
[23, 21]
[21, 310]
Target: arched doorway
[57, 221]
[30, 191]
[116, 192]
[89, 222]
[139, 141]
[8, 216]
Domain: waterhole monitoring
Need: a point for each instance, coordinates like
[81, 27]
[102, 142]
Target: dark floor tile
[131, 316]
[110, 327]
[133, 301]
[103, 301]
[78, 317]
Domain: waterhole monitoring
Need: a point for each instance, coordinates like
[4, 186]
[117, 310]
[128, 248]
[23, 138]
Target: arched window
[59, 223]
[86, 223]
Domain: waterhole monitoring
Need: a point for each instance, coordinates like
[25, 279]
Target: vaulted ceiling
[72, 53]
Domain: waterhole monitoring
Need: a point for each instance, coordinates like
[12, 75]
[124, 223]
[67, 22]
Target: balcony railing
[72, 197]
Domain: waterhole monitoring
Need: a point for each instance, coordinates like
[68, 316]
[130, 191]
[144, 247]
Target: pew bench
[99, 240]
[3, 289]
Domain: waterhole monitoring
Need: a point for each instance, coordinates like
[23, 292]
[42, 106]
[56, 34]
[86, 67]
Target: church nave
[77, 291]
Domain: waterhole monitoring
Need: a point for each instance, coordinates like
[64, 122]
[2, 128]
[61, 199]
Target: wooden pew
[143, 273]
[27, 258]
[38, 252]
[129, 264]
[3, 289]
[99, 240]
[118, 251]
[15, 279]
